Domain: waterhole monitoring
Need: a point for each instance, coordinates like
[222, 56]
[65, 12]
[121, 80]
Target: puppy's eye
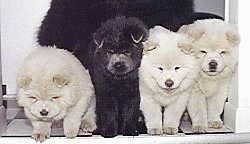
[126, 52]
[203, 52]
[160, 68]
[110, 51]
[152, 48]
[32, 97]
[177, 68]
[55, 98]
[223, 52]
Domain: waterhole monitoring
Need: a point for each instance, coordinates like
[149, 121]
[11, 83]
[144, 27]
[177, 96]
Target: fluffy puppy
[214, 46]
[167, 74]
[53, 85]
[116, 56]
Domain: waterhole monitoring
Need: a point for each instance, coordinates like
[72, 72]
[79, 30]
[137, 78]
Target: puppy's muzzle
[120, 66]
[44, 112]
[212, 66]
[169, 83]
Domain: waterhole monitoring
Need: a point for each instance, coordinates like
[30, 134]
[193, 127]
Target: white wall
[19, 22]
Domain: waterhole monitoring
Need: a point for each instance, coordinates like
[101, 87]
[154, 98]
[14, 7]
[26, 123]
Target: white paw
[199, 129]
[40, 137]
[170, 130]
[215, 124]
[71, 133]
[88, 127]
[155, 131]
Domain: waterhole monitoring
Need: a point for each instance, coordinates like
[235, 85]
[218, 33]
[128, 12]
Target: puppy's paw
[170, 130]
[199, 129]
[88, 127]
[215, 124]
[40, 137]
[155, 131]
[71, 132]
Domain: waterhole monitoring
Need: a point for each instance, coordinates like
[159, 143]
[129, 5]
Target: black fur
[117, 93]
[69, 24]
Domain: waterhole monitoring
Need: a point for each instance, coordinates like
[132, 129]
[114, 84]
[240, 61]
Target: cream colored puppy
[167, 74]
[53, 85]
[214, 45]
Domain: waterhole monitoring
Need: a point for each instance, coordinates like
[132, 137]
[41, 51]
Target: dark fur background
[69, 24]
[117, 96]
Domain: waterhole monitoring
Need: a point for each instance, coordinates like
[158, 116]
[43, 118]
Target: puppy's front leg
[172, 115]
[197, 109]
[130, 112]
[107, 116]
[215, 107]
[152, 114]
[41, 130]
[89, 119]
[72, 121]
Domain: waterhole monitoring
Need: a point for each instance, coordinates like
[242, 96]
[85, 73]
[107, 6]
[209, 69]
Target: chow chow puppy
[214, 46]
[70, 24]
[116, 56]
[167, 74]
[53, 85]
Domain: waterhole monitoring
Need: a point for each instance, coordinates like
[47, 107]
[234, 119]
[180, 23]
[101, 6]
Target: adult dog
[70, 24]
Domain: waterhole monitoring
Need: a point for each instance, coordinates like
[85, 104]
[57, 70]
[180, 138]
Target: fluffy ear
[98, 40]
[186, 47]
[60, 80]
[23, 81]
[233, 36]
[137, 31]
[192, 30]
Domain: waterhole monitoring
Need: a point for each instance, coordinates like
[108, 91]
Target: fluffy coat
[54, 85]
[116, 56]
[214, 46]
[167, 74]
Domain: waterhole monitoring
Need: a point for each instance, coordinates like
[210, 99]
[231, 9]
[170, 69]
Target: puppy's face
[217, 56]
[43, 100]
[120, 58]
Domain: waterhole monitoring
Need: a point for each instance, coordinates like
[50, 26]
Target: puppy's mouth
[169, 90]
[212, 72]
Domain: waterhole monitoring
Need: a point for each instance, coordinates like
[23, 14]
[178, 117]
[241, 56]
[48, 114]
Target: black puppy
[69, 24]
[116, 52]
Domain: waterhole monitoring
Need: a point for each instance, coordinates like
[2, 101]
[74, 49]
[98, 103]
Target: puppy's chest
[210, 87]
[164, 100]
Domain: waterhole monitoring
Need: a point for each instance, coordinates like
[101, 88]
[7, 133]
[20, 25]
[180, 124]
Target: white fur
[209, 95]
[154, 93]
[54, 80]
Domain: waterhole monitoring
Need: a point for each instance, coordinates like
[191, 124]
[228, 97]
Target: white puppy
[167, 74]
[214, 45]
[53, 85]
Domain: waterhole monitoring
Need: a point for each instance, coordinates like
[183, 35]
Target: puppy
[167, 74]
[214, 46]
[116, 56]
[53, 85]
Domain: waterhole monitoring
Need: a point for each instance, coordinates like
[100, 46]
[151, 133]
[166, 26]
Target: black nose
[120, 66]
[212, 65]
[44, 112]
[169, 83]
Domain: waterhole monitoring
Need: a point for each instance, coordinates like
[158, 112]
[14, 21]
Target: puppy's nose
[213, 65]
[44, 112]
[169, 83]
[120, 66]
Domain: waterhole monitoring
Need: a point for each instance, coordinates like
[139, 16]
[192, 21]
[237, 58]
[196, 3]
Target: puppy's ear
[137, 30]
[98, 40]
[193, 31]
[233, 36]
[60, 80]
[23, 81]
[186, 47]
